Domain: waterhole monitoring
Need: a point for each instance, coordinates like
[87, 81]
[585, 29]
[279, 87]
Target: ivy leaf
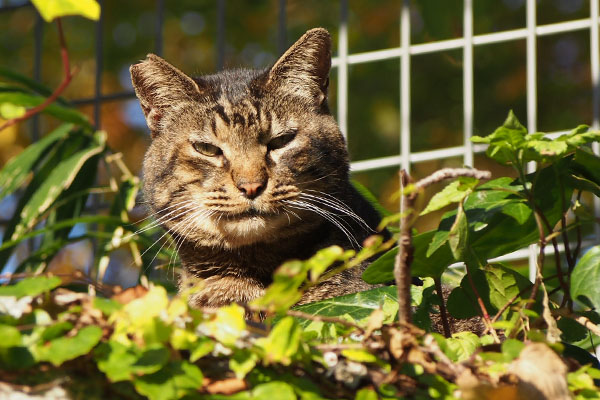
[63, 349]
[454, 192]
[175, 380]
[357, 306]
[33, 286]
[585, 278]
[51, 9]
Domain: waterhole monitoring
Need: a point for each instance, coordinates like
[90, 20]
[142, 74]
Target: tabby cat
[248, 169]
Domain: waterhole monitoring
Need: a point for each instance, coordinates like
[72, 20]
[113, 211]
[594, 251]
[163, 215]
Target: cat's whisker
[161, 220]
[338, 205]
[331, 217]
[152, 214]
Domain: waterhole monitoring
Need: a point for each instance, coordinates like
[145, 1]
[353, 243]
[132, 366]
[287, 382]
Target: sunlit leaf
[51, 9]
[453, 193]
[282, 343]
[228, 324]
[57, 110]
[10, 335]
[10, 111]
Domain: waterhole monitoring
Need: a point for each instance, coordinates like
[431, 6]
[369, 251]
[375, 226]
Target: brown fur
[231, 241]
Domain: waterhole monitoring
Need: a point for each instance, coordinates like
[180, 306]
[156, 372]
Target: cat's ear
[160, 86]
[304, 68]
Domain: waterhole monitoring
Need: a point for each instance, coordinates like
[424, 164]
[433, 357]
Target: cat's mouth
[250, 213]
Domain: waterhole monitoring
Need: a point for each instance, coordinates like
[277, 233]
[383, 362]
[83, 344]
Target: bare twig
[443, 312]
[403, 261]
[402, 274]
[451, 173]
[68, 76]
[580, 319]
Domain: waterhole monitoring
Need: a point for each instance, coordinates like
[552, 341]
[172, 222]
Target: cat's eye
[207, 149]
[281, 141]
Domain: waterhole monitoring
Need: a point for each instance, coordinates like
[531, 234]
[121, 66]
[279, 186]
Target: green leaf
[282, 343]
[31, 286]
[324, 258]
[366, 394]
[10, 111]
[359, 355]
[16, 171]
[51, 9]
[228, 324]
[63, 349]
[496, 284]
[424, 264]
[58, 180]
[585, 278]
[366, 193]
[458, 237]
[358, 306]
[107, 306]
[511, 348]
[382, 269]
[283, 293]
[506, 141]
[455, 192]
[175, 380]
[273, 390]
[462, 345]
[242, 362]
[10, 335]
[61, 112]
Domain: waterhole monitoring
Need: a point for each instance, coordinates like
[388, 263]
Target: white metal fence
[404, 53]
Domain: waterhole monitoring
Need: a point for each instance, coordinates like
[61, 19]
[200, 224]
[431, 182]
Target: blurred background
[207, 36]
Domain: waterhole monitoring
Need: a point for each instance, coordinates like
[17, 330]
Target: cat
[247, 169]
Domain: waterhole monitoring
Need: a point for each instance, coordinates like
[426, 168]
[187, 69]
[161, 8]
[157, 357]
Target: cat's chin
[248, 229]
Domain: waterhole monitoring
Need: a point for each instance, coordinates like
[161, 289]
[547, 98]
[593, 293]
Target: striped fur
[273, 138]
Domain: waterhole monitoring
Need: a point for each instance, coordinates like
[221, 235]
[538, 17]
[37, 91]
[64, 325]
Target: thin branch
[443, 312]
[451, 173]
[402, 274]
[68, 76]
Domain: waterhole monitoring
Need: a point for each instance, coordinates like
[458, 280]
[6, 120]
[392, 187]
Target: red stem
[68, 76]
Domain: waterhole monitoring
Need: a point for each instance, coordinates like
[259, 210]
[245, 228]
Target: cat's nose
[251, 190]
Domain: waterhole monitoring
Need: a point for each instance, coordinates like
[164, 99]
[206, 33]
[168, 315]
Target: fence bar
[468, 81]
[99, 67]
[37, 70]
[405, 86]
[342, 89]
[158, 30]
[478, 40]
[220, 34]
[595, 64]
[281, 27]
[531, 105]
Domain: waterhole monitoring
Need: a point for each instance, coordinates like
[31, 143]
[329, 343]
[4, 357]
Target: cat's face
[241, 156]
